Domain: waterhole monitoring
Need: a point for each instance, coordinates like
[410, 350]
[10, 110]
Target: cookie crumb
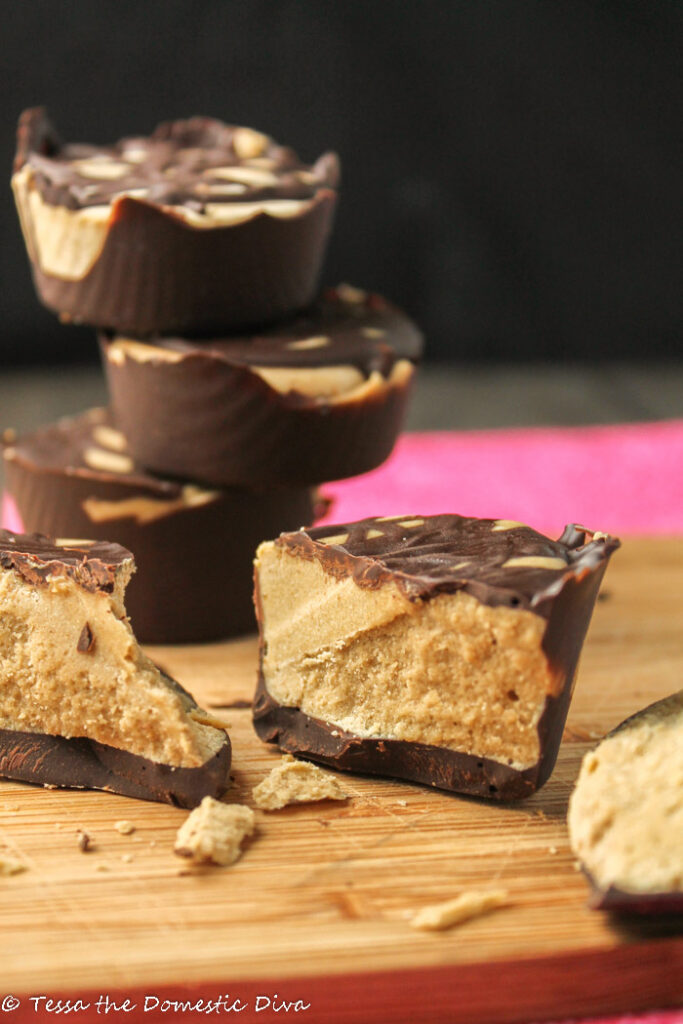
[9, 866]
[127, 858]
[84, 841]
[102, 867]
[214, 831]
[296, 782]
[126, 828]
[464, 907]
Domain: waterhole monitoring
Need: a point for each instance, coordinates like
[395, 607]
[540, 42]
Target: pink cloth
[618, 479]
[10, 518]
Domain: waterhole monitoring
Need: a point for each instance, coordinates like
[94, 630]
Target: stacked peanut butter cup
[236, 387]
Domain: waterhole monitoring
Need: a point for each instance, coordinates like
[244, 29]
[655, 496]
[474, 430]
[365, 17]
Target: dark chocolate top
[345, 326]
[93, 566]
[495, 560]
[82, 446]
[182, 163]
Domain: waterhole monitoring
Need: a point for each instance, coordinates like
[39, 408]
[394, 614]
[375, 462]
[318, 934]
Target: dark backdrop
[511, 169]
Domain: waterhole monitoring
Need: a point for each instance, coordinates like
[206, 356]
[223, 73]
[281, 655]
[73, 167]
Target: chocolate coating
[420, 560]
[202, 410]
[448, 553]
[36, 558]
[85, 764]
[194, 578]
[642, 904]
[176, 166]
[161, 270]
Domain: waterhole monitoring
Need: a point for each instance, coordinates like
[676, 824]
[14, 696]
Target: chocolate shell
[502, 579]
[193, 547]
[200, 227]
[319, 397]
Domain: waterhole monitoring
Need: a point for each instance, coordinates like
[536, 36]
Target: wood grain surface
[318, 906]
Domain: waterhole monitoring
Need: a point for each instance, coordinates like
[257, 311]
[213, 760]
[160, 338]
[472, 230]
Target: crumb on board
[84, 841]
[125, 828]
[102, 867]
[127, 858]
[464, 907]
[10, 866]
[213, 832]
[296, 782]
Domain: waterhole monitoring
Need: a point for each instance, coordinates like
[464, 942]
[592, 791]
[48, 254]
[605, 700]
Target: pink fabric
[10, 519]
[618, 479]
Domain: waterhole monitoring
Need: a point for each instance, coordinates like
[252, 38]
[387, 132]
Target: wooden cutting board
[318, 907]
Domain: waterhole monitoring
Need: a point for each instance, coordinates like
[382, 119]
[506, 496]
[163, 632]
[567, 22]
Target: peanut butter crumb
[125, 828]
[213, 832]
[464, 907]
[9, 866]
[296, 782]
[84, 841]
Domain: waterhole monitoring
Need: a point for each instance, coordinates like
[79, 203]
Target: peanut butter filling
[70, 666]
[450, 672]
[626, 813]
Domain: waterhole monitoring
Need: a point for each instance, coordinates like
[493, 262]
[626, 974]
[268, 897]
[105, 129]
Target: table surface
[320, 903]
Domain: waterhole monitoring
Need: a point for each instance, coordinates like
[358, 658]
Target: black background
[512, 170]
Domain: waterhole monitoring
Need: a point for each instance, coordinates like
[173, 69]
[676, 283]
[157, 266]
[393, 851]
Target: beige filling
[49, 233]
[314, 381]
[67, 243]
[112, 693]
[332, 384]
[296, 782]
[626, 813]
[450, 672]
[108, 437]
[145, 509]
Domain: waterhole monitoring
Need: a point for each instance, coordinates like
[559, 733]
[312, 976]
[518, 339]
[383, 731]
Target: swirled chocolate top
[92, 565]
[345, 326]
[498, 561]
[89, 446]
[193, 163]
